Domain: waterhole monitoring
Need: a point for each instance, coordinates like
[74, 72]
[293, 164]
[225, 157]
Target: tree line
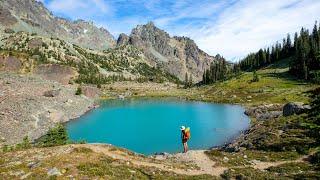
[219, 70]
[304, 54]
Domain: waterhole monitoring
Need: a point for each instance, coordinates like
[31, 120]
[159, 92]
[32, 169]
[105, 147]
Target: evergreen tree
[303, 53]
[255, 77]
[190, 83]
[219, 70]
[186, 81]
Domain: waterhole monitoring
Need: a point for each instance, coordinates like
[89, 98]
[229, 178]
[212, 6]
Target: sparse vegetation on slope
[124, 63]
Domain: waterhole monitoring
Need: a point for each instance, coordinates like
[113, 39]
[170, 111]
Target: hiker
[185, 136]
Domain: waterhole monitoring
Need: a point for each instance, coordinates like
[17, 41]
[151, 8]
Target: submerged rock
[121, 97]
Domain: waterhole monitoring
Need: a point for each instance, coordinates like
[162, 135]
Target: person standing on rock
[185, 136]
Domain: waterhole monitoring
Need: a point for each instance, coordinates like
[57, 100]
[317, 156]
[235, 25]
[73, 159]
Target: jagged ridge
[31, 16]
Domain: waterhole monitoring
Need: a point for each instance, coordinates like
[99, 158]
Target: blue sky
[232, 28]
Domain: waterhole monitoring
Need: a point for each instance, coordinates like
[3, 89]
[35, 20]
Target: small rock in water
[54, 172]
[121, 97]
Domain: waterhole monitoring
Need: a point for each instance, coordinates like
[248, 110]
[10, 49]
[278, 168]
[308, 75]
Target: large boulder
[295, 108]
[90, 91]
[52, 93]
[269, 115]
[123, 39]
[265, 111]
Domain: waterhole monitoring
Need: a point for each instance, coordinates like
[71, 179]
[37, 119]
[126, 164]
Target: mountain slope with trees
[303, 51]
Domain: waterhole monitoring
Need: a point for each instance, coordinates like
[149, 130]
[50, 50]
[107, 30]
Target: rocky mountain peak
[176, 55]
[31, 16]
[122, 39]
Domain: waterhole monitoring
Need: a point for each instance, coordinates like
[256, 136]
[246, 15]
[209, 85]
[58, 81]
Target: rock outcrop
[52, 93]
[90, 91]
[56, 72]
[31, 16]
[123, 39]
[295, 108]
[177, 55]
[265, 112]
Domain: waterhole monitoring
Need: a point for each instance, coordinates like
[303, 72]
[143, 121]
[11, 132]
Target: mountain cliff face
[177, 55]
[31, 16]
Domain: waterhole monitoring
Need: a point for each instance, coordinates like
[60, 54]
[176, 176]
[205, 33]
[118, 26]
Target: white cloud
[231, 28]
[81, 9]
[249, 25]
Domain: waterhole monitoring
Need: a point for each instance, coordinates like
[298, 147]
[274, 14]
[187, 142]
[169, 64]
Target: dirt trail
[206, 165]
[266, 165]
[199, 158]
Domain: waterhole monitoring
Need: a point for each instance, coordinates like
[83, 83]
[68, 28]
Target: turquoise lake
[149, 126]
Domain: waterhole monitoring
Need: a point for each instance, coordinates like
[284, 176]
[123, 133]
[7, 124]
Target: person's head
[182, 128]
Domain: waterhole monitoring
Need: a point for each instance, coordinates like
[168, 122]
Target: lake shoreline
[223, 144]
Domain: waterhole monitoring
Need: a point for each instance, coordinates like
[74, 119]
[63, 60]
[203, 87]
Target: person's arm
[182, 135]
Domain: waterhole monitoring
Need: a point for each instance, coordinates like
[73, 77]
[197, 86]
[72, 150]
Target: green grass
[110, 169]
[249, 173]
[268, 89]
[291, 168]
[82, 150]
[275, 85]
[244, 158]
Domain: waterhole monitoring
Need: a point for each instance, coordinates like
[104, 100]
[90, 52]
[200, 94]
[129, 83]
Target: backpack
[187, 133]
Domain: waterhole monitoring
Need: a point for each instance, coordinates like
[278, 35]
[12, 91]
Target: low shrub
[55, 137]
[79, 91]
[315, 158]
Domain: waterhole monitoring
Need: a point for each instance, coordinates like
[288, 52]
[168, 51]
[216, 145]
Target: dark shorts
[184, 140]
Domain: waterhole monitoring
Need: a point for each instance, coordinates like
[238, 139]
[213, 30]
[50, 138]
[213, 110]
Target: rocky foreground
[30, 106]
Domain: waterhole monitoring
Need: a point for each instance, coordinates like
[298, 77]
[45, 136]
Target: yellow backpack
[187, 133]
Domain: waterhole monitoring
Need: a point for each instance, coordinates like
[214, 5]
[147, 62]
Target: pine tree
[190, 81]
[303, 53]
[186, 81]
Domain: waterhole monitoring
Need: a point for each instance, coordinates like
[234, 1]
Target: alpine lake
[150, 126]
